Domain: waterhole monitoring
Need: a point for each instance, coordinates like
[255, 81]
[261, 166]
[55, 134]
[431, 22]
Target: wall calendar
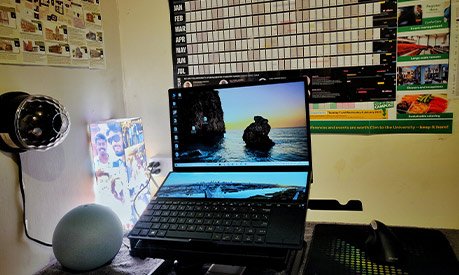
[373, 66]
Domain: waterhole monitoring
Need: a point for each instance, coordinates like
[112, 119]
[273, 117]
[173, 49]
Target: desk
[125, 264]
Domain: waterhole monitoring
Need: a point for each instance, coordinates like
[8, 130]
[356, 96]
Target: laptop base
[197, 255]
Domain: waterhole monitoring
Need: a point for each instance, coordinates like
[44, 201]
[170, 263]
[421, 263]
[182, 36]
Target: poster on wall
[51, 32]
[347, 49]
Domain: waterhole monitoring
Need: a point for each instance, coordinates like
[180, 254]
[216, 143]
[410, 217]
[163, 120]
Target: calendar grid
[226, 39]
[215, 37]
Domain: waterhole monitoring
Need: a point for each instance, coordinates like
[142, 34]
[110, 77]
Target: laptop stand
[334, 205]
[192, 258]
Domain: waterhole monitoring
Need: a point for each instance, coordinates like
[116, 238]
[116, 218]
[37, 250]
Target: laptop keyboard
[229, 222]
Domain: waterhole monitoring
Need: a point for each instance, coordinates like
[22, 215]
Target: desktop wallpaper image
[243, 124]
[250, 185]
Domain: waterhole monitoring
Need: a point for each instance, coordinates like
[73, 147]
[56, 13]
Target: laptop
[241, 157]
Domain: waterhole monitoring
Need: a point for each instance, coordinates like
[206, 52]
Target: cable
[21, 186]
[152, 168]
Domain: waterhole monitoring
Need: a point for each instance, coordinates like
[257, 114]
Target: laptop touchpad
[285, 225]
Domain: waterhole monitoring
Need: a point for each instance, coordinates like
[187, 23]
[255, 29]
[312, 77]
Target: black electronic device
[31, 122]
[241, 172]
[341, 249]
[382, 245]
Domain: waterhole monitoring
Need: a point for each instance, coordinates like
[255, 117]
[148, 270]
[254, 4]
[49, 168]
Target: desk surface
[125, 264]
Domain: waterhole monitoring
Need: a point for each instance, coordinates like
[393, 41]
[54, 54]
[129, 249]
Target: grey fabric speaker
[87, 237]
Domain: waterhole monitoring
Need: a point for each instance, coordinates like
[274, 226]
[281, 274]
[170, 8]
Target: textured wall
[61, 178]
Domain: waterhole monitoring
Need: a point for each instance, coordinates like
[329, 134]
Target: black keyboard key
[259, 239]
[236, 216]
[260, 223]
[135, 231]
[265, 210]
[227, 237]
[156, 226]
[189, 235]
[237, 238]
[173, 227]
[144, 232]
[239, 230]
[236, 223]
[261, 231]
[161, 233]
[200, 228]
[217, 236]
[182, 227]
[191, 228]
[152, 233]
[246, 223]
[145, 218]
[155, 219]
[248, 238]
[143, 225]
[164, 226]
[210, 228]
[250, 231]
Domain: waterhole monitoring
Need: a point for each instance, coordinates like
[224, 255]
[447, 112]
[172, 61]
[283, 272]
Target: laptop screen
[279, 186]
[251, 127]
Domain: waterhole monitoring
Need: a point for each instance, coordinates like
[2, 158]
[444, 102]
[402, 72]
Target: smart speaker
[87, 237]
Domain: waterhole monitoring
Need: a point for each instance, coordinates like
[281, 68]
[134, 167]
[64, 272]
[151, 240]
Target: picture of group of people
[120, 167]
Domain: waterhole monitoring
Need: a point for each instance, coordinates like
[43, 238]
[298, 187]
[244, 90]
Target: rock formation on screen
[202, 117]
[256, 134]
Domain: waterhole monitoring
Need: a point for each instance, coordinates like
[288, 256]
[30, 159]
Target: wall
[61, 178]
[401, 179]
